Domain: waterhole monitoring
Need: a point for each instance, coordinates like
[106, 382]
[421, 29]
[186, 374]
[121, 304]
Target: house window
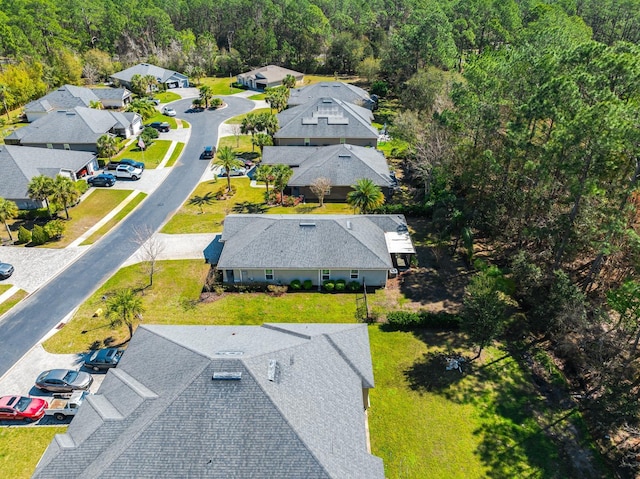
[268, 274]
[307, 141]
[354, 274]
[343, 141]
[66, 146]
[326, 274]
[50, 146]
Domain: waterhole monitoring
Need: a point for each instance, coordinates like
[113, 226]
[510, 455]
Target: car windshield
[23, 404]
[94, 356]
[70, 376]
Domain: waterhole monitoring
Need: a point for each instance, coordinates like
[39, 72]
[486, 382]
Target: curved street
[33, 318]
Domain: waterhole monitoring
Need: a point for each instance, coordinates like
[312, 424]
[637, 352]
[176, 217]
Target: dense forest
[519, 120]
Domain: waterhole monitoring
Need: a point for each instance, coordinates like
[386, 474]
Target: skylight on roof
[229, 353]
[227, 375]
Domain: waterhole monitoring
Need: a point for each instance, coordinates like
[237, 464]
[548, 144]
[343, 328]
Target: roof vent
[308, 224]
[273, 368]
[327, 100]
[227, 376]
[344, 155]
[348, 224]
[229, 353]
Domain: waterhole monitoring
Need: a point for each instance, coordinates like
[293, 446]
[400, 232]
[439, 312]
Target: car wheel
[134, 177]
[59, 416]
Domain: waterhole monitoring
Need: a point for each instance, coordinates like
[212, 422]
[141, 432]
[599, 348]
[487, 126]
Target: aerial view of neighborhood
[315, 239]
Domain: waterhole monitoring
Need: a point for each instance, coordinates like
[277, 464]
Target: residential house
[326, 121]
[342, 165]
[331, 89]
[168, 78]
[276, 249]
[267, 77]
[19, 164]
[71, 96]
[273, 401]
[76, 129]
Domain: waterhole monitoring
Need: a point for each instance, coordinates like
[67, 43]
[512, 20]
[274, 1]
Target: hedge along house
[342, 165]
[76, 129]
[269, 76]
[19, 164]
[326, 121]
[168, 78]
[277, 249]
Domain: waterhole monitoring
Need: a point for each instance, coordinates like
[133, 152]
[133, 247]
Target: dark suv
[208, 153]
[112, 165]
[161, 126]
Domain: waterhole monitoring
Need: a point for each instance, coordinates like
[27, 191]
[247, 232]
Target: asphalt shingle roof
[307, 241]
[271, 73]
[144, 69]
[326, 118]
[65, 97]
[343, 165]
[304, 420]
[19, 164]
[335, 89]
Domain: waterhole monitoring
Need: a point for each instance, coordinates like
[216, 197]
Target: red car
[20, 407]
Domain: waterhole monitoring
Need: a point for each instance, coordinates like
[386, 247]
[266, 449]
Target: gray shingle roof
[78, 125]
[111, 93]
[271, 73]
[65, 97]
[329, 89]
[19, 164]
[307, 241]
[143, 69]
[326, 118]
[342, 164]
[307, 421]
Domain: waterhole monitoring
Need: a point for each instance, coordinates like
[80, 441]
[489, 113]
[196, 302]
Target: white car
[128, 171]
[168, 111]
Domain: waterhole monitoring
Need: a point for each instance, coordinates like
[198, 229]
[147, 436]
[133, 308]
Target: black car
[161, 126]
[112, 165]
[6, 270]
[208, 153]
[103, 179]
[63, 380]
[103, 358]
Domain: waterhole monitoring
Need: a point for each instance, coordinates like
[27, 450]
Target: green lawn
[128, 208]
[12, 301]
[220, 86]
[238, 119]
[258, 96]
[167, 96]
[176, 153]
[151, 157]
[424, 421]
[21, 448]
[160, 117]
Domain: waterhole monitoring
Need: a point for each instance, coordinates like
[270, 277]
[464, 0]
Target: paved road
[30, 320]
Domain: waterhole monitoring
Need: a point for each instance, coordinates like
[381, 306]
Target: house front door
[229, 276]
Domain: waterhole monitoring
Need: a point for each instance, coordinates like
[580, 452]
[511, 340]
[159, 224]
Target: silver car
[6, 270]
[63, 380]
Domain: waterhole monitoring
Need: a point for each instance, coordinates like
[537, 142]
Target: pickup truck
[63, 406]
[128, 171]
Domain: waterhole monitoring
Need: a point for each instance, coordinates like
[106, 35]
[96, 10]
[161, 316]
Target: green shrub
[216, 102]
[296, 285]
[408, 320]
[354, 286]
[82, 186]
[276, 289]
[341, 285]
[329, 285]
[39, 235]
[307, 284]
[55, 229]
[24, 235]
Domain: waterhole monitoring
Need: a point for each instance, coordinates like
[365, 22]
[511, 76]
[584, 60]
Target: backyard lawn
[424, 421]
[21, 448]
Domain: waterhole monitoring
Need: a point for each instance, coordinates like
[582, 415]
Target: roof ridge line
[280, 329]
[345, 358]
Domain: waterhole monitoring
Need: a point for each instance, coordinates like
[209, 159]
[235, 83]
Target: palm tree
[366, 196]
[150, 82]
[261, 140]
[205, 94]
[143, 107]
[96, 105]
[107, 146]
[266, 122]
[124, 307]
[265, 173]
[41, 188]
[65, 191]
[289, 81]
[249, 126]
[282, 175]
[8, 210]
[227, 159]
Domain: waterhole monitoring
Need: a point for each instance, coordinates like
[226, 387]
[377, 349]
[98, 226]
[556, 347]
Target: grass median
[104, 229]
[14, 299]
[175, 155]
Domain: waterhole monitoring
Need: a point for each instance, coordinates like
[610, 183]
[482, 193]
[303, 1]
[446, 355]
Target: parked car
[103, 179]
[20, 408]
[112, 165]
[6, 270]
[155, 101]
[64, 407]
[63, 380]
[161, 126]
[128, 171]
[234, 172]
[168, 111]
[103, 359]
[208, 153]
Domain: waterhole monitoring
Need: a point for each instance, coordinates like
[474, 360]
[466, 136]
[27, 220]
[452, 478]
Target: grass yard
[151, 157]
[220, 86]
[86, 214]
[21, 448]
[167, 96]
[424, 421]
[259, 96]
[128, 208]
[176, 154]
[237, 120]
[241, 145]
[11, 302]
[160, 117]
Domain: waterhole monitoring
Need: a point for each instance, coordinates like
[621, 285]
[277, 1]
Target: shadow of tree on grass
[249, 207]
